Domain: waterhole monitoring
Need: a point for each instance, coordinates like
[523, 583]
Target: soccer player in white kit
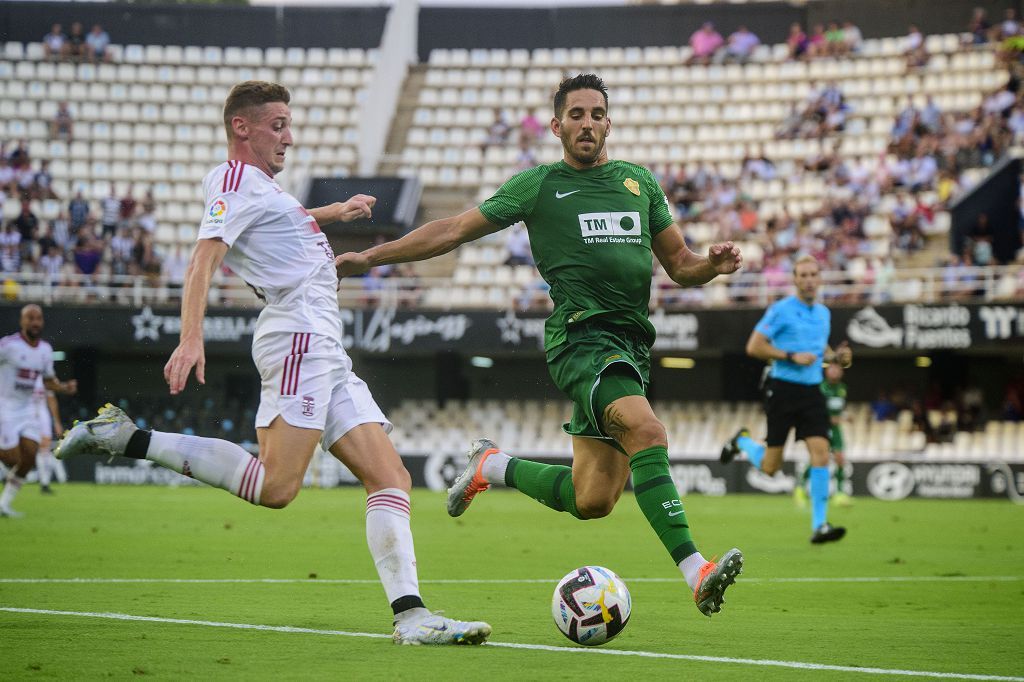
[24, 358]
[48, 418]
[309, 393]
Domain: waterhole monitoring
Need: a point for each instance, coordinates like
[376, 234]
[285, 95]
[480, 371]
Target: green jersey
[590, 233]
[835, 397]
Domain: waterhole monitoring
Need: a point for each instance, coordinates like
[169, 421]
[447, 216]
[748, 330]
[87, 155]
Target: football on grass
[591, 605]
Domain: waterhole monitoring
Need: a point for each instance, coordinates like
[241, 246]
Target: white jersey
[276, 246]
[40, 394]
[21, 366]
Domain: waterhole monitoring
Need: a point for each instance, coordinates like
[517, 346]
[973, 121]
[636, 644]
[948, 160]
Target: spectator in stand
[147, 212]
[907, 235]
[796, 41]
[27, 225]
[914, 50]
[816, 44]
[61, 230]
[145, 258]
[740, 46]
[704, 43]
[498, 132]
[122, 247]
[978, 27]
[47, 240]
[110, 213]
[8, 181]
[757, 166]
[98, 43]
[10, 249]
[852, 38]
[42, 183]
[978, 245]
[87, 257]
[75, 47]
[518, 246]
[835, 40]
[53, 43]
[19, 157]
[62, 127]
[78, 213]
[526, 158]
[126, 212]
[923, 171]
[51, 264]
[530, 129]
[930, 117]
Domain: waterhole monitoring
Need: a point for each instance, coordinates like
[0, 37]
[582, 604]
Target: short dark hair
[250, 94]
[582, 81]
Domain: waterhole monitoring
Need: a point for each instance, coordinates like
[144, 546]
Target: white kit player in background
[309, 393]
[25, 358]
[48, 418]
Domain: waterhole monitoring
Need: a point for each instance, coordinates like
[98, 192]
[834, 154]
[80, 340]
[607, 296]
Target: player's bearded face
[584, 126]
[271, 135]
[32, 324]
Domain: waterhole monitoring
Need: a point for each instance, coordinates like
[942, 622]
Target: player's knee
[393, 477]
[597, 508]
[280, 495]
[649, 433]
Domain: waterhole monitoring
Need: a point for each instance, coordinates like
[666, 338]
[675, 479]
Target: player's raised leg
[369, 454]
[273, 480]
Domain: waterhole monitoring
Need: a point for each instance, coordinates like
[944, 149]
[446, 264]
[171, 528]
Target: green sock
[840, 477]
[659, 501]
[549, 484]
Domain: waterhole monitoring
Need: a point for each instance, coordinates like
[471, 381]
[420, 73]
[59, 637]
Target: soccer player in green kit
[593, 225]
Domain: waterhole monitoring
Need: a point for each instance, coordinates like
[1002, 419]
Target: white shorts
[17, 423]
[308, 380]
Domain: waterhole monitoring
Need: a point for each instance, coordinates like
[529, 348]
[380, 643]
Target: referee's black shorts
[794, 406]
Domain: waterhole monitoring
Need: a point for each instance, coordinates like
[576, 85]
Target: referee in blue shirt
[793, 335]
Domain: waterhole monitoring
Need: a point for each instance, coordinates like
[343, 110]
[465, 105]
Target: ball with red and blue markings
[591, 605]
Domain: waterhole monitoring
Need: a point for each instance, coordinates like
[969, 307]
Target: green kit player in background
[834, 390]
[593, 224]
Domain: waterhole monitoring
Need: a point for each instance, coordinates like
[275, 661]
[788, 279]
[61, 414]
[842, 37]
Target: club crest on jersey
[632, 185]
[217, 211]
[307, 406]
[597, 228]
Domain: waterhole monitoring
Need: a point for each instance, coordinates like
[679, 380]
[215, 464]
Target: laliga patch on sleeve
[218, 210]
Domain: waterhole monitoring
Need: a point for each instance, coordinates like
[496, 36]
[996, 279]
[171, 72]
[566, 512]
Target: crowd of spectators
[77, 45]
[114, 236]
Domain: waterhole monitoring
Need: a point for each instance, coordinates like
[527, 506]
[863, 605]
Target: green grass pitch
[941, 589]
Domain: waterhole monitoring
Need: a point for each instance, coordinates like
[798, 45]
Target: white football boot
[421, 626]
[105, 434]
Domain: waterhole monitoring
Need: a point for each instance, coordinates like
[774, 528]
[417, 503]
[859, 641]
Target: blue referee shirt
[795, 327]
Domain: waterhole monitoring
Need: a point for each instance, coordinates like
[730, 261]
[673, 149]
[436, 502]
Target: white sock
[494, 467]
[44, 465]
[213, 461]
[11, 488]
[57, 467]
[390, 539]
[690, 566]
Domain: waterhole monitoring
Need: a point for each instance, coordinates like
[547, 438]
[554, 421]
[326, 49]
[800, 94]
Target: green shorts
[576, 368]
[835, 438]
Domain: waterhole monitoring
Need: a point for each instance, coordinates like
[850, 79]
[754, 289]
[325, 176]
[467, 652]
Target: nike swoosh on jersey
[559, 195]
[675, 513]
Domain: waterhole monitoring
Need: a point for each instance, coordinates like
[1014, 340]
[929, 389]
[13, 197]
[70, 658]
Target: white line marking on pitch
[473, 581]
[533, 647]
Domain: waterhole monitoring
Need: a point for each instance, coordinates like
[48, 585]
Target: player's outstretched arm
[358, 206]
[69, 387]
[427, 241]
[686, 268]
[206, 258]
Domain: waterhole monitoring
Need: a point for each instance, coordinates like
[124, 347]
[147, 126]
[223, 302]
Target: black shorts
[794, 406]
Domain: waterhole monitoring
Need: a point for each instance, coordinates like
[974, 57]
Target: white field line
[509, 581]
[798, 665]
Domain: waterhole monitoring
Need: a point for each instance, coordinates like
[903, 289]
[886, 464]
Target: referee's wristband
[789, 356]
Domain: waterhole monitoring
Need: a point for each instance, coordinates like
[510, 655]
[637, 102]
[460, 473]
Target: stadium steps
[403, 119]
